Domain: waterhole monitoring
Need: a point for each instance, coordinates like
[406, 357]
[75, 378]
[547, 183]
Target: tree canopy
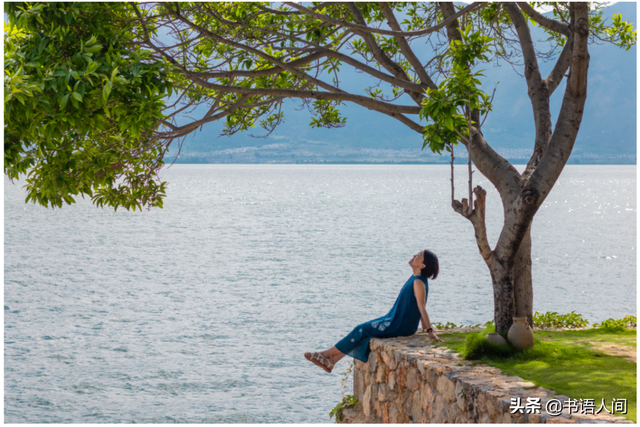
[94, 92]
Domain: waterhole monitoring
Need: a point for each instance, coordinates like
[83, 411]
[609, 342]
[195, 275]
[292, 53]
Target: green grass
[565, 361]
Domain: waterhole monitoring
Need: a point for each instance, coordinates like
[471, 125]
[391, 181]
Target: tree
[120, 64]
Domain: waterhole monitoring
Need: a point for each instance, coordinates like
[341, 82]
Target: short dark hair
[431, 266]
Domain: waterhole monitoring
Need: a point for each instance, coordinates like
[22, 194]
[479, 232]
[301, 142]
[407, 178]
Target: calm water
[200, 312]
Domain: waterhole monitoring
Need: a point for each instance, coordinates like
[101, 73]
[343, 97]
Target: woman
[402, 320]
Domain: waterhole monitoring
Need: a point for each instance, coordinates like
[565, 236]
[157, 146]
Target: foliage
[618, 325]
[448, 106]
[79, 103]
[348, 400]
[552, 319]
[555, 320]
[87, 84]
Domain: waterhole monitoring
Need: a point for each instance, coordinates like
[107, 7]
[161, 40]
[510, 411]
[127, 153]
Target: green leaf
[77, 96]
[448, 122]
[63, 101]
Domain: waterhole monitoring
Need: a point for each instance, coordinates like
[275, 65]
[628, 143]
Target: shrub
[555, 320]
[617, 325]
[347, 401]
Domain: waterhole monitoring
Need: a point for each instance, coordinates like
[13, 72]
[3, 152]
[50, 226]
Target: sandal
[318, 359]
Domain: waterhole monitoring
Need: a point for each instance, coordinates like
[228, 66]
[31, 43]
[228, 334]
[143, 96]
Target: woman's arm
[420, 291]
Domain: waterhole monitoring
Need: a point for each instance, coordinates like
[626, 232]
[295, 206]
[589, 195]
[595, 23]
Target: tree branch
[548, 23]
[538, 90]
[382, 57]
[562, 64]
[477, 218]
[571, 111]
[366, 29]
[405, 48]
[256, 52]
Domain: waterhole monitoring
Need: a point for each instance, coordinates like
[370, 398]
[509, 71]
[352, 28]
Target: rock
[416, 407]
[366, 402]
[358, 382]
[447, 388]
[393, 415]
[413, 379]
[380, 374]
[389, 360]
[510, 379]
[391, 381]
[373, 361]
[524, 384]
[560, 420]
[427, 400]
[377, 409]
[461, 398]
[385, 414]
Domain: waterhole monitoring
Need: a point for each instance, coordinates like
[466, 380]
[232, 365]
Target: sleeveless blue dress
[402, 320]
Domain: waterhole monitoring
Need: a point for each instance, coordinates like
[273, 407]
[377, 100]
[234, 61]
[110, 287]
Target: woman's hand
[434, 337]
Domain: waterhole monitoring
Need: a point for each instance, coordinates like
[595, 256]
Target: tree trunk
[512, 287]
[504, 302]
[523, 281]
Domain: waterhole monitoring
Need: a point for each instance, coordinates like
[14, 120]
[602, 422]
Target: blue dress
[402, 320]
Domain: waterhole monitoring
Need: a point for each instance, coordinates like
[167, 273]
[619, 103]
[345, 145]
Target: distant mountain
[607, 134]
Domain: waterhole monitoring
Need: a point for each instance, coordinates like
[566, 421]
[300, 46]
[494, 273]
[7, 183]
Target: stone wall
[409, 380]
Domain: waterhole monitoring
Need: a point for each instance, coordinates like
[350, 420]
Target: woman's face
[417, 261]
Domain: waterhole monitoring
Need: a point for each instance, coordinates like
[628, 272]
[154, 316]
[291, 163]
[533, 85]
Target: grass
[568, 362]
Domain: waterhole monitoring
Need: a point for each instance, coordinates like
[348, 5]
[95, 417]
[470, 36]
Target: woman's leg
[333, 354]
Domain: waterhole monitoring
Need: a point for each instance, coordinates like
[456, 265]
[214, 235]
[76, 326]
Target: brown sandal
[318, 359]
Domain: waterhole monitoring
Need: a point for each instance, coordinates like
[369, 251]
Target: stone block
[366, 402]
[560, 420]
[375, 344]
[380, 374]
[524, 384]
[382, 395]
[401, 378]
[422, 366]
[416, 407]
[385, 413]
[509, 379]
[393, 415]
[447, 388]
[493, 408]
[373, 361]
[534, 418]
[391, 380]
[389, 359]
[358, 382]
[413, 379]
[440, 410]
[461, 396]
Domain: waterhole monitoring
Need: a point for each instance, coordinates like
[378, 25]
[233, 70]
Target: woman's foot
[318, 359]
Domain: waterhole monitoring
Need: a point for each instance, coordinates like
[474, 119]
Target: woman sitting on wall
[402, 320]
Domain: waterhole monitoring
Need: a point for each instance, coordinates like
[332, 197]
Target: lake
[201, 311]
